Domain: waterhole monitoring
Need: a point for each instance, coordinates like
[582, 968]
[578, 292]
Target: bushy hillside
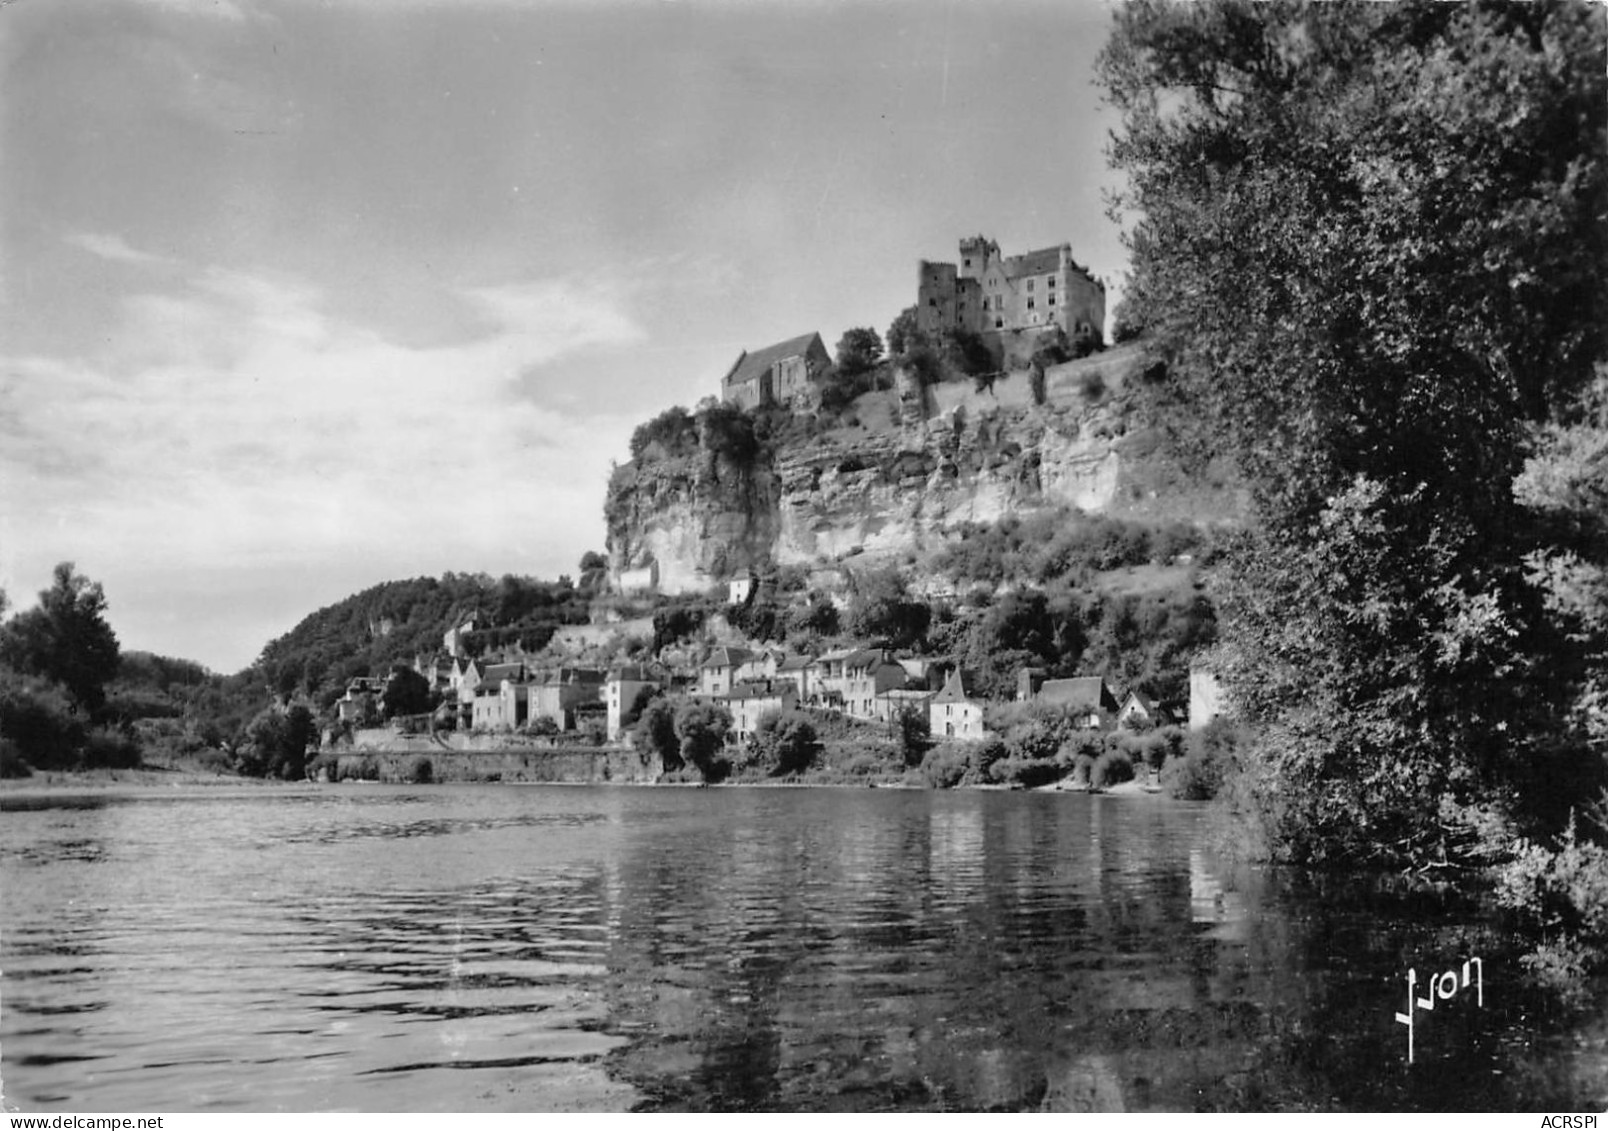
[397, 620]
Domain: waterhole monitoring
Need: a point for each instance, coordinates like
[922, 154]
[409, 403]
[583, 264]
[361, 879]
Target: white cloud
[234, 422]
[114, 248]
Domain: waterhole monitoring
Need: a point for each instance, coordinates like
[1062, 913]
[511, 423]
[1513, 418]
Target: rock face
[948, 456]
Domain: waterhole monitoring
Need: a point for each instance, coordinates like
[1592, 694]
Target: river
[488, 948]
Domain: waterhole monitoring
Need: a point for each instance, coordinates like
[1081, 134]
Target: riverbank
[165, 778]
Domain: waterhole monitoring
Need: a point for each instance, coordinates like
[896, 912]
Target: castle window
[932, 302]
[999, 323]
[968, 263]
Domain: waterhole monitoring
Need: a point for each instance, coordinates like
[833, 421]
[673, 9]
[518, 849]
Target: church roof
[750, 366]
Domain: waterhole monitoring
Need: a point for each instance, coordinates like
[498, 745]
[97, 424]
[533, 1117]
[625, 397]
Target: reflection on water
[490, 948]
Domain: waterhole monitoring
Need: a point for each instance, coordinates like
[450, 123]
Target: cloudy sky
[298, 296]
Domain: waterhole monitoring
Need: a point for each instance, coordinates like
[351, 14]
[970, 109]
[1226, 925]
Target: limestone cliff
[911, 467]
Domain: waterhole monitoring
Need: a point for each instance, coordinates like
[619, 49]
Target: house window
[1030, 304]
[999, 323]
[1052, 300]
[1030, 284]
[1052, 282]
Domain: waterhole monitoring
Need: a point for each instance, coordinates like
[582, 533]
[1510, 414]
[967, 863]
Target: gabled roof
[795, 663]
[954, 689]
[496, 673]
[724, 657]
[749, 366]
[634, 673]
[864, 658]
[1085, 691]
[835, 655]
[1146, 704]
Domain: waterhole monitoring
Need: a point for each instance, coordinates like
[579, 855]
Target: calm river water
[534, 948]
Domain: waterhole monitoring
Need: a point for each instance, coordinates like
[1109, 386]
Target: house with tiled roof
[784, 373]
[623, 685]
[722, 668]
[1138, 710]
[1088, 698]
[749, 702]
[954, 712]
[868, 672]
[800, 672]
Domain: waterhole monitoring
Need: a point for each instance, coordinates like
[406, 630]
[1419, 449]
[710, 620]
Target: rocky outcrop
[949, 456]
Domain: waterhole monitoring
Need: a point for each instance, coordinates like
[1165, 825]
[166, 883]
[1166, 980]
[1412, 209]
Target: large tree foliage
[1370, 239]
[66, 638]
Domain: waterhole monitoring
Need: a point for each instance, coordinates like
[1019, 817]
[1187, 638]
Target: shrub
[12, 763]
[787, 740]
[1561, 892]
[945, 765]
[702, 729]
[420, 771]
[1194, 777]
[981, 758]
[110, 749]
[216, 760]
[1029, 773]
[1111, 768]
[1199, 774]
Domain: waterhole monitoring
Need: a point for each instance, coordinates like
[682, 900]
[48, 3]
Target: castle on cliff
[1005, 298]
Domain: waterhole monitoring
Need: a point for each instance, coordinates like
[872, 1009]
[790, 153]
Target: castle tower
[975, 252]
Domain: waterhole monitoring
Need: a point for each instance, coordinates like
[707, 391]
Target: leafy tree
[914, 725]
[406, 693]
[789, 739]
[66, 638]
[656, 733]
[817, 616]
[1369, 238]
[727, 431]
[965, 352]
[903, 333]
[702, 730]
[275, 743]
[882, 609]
[673, 431]
[858, 350]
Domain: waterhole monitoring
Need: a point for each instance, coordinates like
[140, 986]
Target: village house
[954, 713]
[747, 703]
[620, 691]
[361, 700]
[785, 374]
[561, 693]
[868, 672]
[1088, 698]
[740, 588]
[831, 678]
[721, 669]
[1138, 710]
[998, 296]
[797, 671]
